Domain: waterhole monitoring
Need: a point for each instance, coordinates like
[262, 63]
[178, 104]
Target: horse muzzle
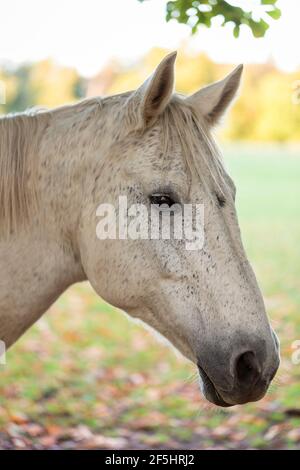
[245, 379]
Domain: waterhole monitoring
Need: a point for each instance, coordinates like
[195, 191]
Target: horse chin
[210, 392]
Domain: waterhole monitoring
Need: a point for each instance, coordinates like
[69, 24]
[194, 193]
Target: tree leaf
[275, 14]
[236, 31]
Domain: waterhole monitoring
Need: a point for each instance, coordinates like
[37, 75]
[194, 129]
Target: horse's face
[205, 301]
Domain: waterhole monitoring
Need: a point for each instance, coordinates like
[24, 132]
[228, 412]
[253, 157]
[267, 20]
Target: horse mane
[198, 147]
[19, 138]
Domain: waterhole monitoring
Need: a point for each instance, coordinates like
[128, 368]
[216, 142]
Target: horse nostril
[247, 368]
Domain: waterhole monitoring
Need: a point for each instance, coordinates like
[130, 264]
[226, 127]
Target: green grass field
[86, 377]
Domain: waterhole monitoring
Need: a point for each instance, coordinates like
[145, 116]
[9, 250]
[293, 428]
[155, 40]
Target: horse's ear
[154, 94]
[213, 100]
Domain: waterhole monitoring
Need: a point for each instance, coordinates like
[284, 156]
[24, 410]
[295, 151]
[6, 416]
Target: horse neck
[70, 162]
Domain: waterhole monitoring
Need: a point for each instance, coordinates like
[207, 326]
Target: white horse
[57, 166]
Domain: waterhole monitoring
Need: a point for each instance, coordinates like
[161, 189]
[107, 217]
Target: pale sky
[87, 33]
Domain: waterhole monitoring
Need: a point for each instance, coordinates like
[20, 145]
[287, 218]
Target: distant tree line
[268, 108]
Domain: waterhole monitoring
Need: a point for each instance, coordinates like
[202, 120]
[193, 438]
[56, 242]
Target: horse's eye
[161, 199]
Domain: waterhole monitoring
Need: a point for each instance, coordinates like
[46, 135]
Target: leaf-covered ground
[86, 377]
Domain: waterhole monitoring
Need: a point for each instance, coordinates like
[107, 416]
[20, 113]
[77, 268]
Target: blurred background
[85, 376]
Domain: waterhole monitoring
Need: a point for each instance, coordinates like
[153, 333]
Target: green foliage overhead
[201, 12]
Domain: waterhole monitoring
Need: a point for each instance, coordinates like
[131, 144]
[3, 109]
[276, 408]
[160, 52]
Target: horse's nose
[247, 369]
[252, 373]
[239, 371]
